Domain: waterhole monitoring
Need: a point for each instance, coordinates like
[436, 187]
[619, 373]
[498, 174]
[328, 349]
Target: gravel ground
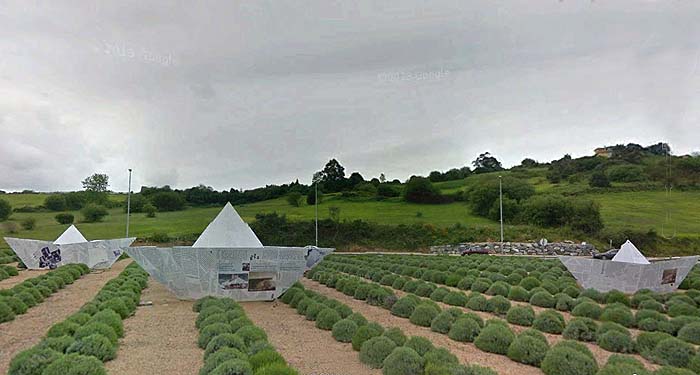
[159, 339]
[310, 350]
[28, 329]
[466, 352]
[23, 275]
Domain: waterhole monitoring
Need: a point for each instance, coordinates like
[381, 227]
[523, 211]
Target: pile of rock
[519, 248]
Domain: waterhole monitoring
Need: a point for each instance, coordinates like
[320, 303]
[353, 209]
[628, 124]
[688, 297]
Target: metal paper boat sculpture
[69, 247]
[629, 271]
[227, 260]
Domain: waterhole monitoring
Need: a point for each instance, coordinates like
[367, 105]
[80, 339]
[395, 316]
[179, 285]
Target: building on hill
[604, 152]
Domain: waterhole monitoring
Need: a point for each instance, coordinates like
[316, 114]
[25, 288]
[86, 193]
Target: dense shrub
[396, 335]
[564, 360]
[494, 338]
[499, 288]
[673, 352]
[521, 315]
[530, 283]
[210, 331]
[481, 285]
[6, 313]
[365, 333]
[264, 358]
[588, 310]
[477, 302]
[616, 296]
[313, 310]
[690, 333]
[95, 345]
[96, 328]
[620, 315]
[543, 299]
[375, 350]
[581, 329]
[443, 322]
[404, 306]
[518, 293]
[438, 294]
[343, 330]
[464, 330]
[423, 315]
[327, 318]
[403, 361]
[528, 350]
[647, 341]
[615, 341]
[225, 340]
[75, 364]
[549, 321]
[64, 218]
[498, 305]
[250, 334]
[233, 367]
[220, 356]
[93, 213]
[32, 361]
[420, 344]
[455, 299]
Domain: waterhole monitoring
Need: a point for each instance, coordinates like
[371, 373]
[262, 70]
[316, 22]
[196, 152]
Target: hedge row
[18, 299]
[7, 271]
[80, 344]
[232, 343]
[532, 274]
[7, 256]
[616, 307]
[378, 347]
[609, 334]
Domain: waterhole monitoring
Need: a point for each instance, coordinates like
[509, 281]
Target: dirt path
[23, 275]
[466, 352]
[305, 347]
[159, 339]
[28, 329]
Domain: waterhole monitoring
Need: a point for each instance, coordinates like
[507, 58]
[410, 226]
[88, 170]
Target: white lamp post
[128, 205]
[500, 198]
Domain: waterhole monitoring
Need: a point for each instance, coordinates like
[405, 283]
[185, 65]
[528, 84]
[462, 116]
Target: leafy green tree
[599, 179]
[486, 163]
[528, 163]
[168, 201]
[149, 209]
[421, 190]
[64, 218]
[333, 176]
[294, 198]
[98, 182]
[5, 210]
[56, 202]
[93, 213]
[484, 196]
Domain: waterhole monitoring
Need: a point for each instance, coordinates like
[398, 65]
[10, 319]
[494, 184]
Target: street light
[500, 199]
[128, 205]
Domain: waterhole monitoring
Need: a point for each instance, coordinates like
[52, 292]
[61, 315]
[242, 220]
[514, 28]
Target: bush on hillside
[225, 340]
[32, 361]
[494, 338]
[528, 350]
[618, 314]
[421, 190]
[403, 361]
[233, 367]
[615, 341]
[93, 213]
[588, 310]
[327, 318]
[396, 335]
[549, 321]
[404, 306]
[365, 333]
[375, 350]
[95, 345]
[690, 333]
[220, 356]
[498, 305]
[518, 293]
[673, 352]
[455, 299]
[265, 357]
[423, 315]
[75, 364]
[464, 330]
[581, 329]
[563, 360]
[443, 322]
[521, 315]
[96, 327]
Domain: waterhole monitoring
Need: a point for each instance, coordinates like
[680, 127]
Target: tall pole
[500, 198]
[128, 205]
[316, 209]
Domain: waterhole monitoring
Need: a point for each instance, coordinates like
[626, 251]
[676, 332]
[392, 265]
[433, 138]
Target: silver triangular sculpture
[70, 247]
[629, 253]
[228, 230]
[70, 235]
[227, 260]
[629, 271]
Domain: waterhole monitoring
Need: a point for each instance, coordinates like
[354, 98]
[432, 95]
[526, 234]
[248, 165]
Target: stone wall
[519, 248]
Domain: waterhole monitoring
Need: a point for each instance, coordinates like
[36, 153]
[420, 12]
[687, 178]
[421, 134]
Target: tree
[528, 163]
[486, 163]
[484, 196]
[64, 218]
[421, 190]
[435, 176]
[96, 183]
[382, 178]
[599, 179]
[149, 209]
[5, 210]
[93, 213]
[168, 201]
[55, 203]
[294, 198]
[333, 176]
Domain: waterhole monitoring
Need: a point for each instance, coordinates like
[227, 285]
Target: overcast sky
[247, 93]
